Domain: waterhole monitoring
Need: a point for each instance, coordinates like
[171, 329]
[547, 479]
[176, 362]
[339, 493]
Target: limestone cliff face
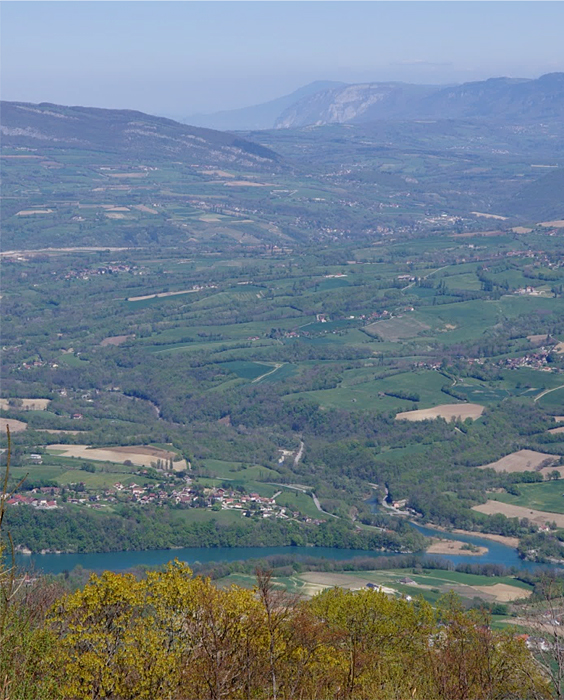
[517, 100]
[352, 103]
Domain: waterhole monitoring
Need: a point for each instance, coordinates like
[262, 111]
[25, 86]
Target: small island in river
[455, 547]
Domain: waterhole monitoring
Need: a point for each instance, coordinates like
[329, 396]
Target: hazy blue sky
[179, 58]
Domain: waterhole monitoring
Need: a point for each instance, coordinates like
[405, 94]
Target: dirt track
[162, 294]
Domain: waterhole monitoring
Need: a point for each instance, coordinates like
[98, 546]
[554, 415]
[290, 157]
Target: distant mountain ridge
[496, 98]
[125, 131]
[515, 99]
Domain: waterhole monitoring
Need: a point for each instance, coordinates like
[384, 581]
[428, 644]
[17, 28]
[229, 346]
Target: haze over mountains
[261, 116]
[516, 99]
[503, 157]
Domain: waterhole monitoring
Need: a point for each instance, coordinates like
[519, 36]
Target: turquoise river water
[119, 561]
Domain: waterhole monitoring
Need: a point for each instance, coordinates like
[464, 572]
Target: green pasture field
[62, 475]
[72, 360]
[420, 292]
[173, 348]
[233, 331]
[54, 456]
[439, 577]
[516, 305]
[334, 283]
[238, 471]
[463, 281]
[102, 480]
[285, 372]
[263, 489]
[42, 413]
[515, 279]
[469, 318]
[351, 399]
[360, 391]
[554, 401]
[546, 496]
[396, 329]
[451, 271]
[297, 500]
[35, 472]
[229, 384]
[533, 381]
[476, 391]
[426, 383]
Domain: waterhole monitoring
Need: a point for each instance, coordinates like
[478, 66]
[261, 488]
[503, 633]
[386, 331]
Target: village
[107, 269]
[189, 495]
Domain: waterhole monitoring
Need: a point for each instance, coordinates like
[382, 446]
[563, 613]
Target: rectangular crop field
[396, 329]
[513, 511]
[522, 461]
[547, 496]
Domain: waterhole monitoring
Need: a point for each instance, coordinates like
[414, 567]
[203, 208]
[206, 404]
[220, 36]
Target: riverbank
[502, 539]
[512, 542]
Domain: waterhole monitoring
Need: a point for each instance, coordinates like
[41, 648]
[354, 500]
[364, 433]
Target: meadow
[547, 496]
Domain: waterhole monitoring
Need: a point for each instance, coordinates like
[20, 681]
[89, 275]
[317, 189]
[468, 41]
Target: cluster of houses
[32, 364]
[41, 503]
[204, 498]
[107, 269]
[528, 291]
[186, 495]
[427, 365]
[533, 360]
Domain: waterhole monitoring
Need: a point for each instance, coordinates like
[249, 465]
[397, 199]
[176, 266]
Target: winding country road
[262, 376]
[547, 391]
[306, 490]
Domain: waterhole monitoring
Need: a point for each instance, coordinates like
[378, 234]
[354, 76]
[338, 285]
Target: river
[119, 561]
[497, 553]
